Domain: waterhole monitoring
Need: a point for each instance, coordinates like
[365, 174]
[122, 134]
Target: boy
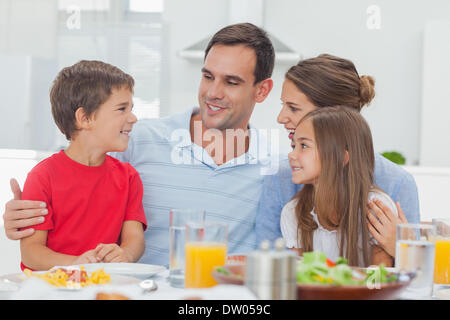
[94, 202]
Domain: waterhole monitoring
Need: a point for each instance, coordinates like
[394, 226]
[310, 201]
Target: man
[192, 160]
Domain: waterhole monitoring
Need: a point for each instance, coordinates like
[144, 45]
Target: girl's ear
[82, 121]
[264, 88]
[346, 158]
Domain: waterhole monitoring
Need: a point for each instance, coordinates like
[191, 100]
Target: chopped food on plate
[73, 278]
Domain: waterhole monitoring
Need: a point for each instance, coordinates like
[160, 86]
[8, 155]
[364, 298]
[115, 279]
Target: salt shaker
[270, 274]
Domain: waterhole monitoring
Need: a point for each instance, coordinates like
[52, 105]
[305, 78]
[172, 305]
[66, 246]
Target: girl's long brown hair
[340, 195]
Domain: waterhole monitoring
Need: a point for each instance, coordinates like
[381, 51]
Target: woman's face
[295, 105]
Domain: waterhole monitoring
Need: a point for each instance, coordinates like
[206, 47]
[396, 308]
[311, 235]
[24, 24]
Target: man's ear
[264, 88]
[82, 121]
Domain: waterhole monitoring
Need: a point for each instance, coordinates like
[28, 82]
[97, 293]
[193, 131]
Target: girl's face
[295, 106]
[304, 158]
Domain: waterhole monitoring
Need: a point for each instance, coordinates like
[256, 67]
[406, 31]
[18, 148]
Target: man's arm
[22, 213]
[269, 211]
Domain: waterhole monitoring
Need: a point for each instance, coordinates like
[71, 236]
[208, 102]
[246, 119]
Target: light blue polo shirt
[176, 173]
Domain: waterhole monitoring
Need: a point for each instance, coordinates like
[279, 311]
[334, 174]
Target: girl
[316, 83]
[333, 157]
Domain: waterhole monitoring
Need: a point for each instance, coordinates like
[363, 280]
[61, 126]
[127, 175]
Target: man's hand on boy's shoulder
[21, 213]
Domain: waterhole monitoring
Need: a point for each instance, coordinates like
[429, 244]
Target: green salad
[315, 268]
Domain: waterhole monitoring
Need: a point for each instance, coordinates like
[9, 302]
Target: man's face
[227, 91]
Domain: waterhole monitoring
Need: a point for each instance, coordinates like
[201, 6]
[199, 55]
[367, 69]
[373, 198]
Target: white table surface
[37, 289]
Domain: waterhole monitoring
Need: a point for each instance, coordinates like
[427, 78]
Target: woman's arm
[383, 229]
[380, 256]
[37, 256]
[298, 251]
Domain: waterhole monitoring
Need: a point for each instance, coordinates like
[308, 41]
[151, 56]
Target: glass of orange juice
[205, 249]
[442, 257]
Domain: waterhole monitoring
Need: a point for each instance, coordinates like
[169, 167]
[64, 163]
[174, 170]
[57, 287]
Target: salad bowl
[321, 279]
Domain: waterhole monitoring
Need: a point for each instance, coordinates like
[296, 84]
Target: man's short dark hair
[250, 36]
[86, 84]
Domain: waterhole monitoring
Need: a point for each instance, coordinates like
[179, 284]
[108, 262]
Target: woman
[320, 82]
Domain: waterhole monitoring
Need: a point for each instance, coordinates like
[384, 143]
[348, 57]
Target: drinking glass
[415, 254]
[441, 287]
[177, 235]
[206, 248]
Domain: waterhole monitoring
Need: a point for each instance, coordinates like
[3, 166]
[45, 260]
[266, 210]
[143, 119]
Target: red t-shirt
[86, 205]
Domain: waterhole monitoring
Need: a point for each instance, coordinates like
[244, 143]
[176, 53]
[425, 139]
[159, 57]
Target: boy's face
[113, 121]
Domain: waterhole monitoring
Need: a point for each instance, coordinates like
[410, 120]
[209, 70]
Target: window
[146, 6]
[124, 33]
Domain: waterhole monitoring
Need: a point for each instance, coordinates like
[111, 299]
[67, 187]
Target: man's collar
[254, 135]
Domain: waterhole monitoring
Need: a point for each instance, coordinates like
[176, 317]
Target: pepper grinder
[270, 274]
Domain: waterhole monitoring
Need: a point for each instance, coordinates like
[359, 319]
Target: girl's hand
[383, 228]
[111, 252]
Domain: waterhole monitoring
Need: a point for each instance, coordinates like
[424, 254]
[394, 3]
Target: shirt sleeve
[37, 188]
[408, 197]
[289, 225]
[135, 209]
[267, 224]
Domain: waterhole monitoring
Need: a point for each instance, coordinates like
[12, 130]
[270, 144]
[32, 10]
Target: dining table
[18, 286]
[128, 285]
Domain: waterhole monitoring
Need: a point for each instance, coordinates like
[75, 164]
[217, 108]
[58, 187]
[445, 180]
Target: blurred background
[404, 45]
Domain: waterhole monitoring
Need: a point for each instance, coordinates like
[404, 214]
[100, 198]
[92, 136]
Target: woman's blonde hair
[340, 195]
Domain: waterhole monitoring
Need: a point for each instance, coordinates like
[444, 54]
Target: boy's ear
[82, 121]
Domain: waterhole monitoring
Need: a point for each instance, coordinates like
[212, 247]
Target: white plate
[139, 270]
[17, 279]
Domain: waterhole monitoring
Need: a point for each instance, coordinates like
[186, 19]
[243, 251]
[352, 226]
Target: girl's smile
[304, 159]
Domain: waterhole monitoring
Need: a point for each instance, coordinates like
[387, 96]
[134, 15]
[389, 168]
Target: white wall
[433, 184]
[392, 54]
[435, 138]
[28, 27]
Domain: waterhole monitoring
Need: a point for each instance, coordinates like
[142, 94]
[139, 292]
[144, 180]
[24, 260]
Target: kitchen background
[404, 45]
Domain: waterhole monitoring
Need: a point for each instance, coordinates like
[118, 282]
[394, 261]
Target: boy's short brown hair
[250, 36]
[86, 84]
